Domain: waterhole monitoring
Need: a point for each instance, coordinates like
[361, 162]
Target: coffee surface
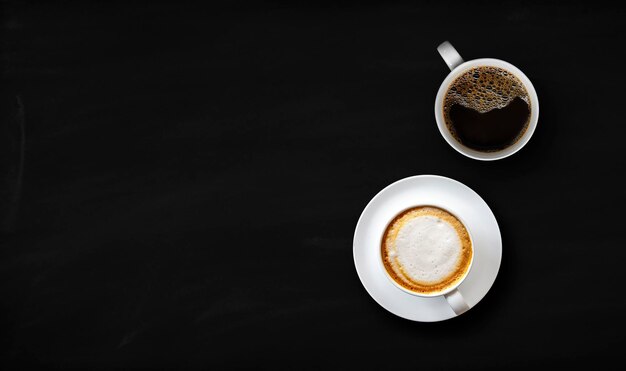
[487, 108]
[426, 250]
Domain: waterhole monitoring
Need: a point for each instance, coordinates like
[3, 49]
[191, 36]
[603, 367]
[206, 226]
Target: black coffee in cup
[487, 108]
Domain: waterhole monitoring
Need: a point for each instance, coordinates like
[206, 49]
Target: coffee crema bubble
[487, 108]
[426, 250]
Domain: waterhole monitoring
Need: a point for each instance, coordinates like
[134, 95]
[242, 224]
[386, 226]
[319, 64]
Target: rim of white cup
[472, 153]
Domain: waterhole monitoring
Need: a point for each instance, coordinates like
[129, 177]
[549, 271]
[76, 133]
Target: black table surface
[191, 176]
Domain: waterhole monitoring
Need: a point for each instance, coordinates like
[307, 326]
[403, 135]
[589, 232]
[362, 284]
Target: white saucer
[426, 190]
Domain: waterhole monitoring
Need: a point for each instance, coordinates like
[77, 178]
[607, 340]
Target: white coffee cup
[457, 68]
[451, 293]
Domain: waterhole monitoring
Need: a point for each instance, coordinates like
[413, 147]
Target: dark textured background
[192, 177]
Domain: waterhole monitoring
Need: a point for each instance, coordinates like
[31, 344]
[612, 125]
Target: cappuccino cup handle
[456, 301]
[449, 55]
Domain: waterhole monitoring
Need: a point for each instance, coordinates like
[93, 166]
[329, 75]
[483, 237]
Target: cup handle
[449, 55]
[456, 301]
